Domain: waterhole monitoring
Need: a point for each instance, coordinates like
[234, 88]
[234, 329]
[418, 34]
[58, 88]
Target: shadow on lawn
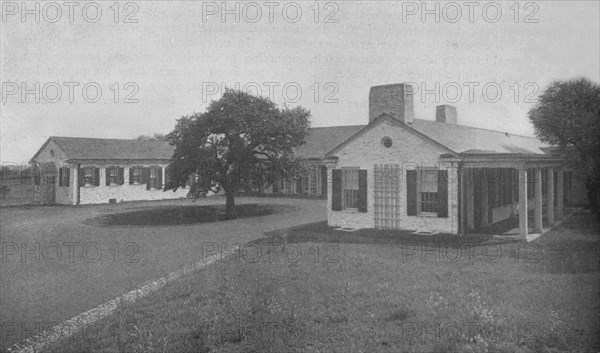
[179, 215]
[572, 247]
[320, 232]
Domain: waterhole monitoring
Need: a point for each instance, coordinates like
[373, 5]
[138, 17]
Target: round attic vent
[386, 142]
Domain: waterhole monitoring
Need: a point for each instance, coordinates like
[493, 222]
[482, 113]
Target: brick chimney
[395, 100]
[446, 114]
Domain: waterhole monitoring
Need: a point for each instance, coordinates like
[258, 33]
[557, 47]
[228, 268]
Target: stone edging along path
[76, 324]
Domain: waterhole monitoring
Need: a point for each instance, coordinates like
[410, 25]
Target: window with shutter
[67, 176]
[350, 194]
[323, 180]
[159, 179]
[336, 190]
[411, 192]
[135, 175]
[147, 177]
[97, 176]
[81, 177]
[442, 193]
[111, 176]
[362, 190]
[428, 193]
[120, 175]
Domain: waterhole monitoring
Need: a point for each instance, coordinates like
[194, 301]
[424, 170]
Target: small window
[428, 190]
[88, 175]
[386, 142]
[135, 175]
[111, 176]
[350, 188]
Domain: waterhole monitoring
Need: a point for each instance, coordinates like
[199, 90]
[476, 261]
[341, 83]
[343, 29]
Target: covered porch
[512, 194]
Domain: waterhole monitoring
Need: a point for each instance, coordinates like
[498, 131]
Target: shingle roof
[321, 140]
[466, 139]
[80, 148]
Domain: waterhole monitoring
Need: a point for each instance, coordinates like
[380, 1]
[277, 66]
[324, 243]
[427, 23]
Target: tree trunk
[230, 205]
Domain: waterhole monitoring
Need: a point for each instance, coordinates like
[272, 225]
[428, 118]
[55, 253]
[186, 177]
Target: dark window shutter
[323, 180]
[80, 175]
[143, 176]
[60, 176]
[442, 193]
[67, 176]
[515, 184]
[299, 186]
[362, 190]
[159, 184]
[121, 175]
[107, 171]
[411, 192]
[148, 180]
[167, 175]
[97, 176]
[336, 190]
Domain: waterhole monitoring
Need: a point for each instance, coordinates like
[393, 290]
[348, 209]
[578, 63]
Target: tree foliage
[240, 142]
[156, 136]
[568, 115]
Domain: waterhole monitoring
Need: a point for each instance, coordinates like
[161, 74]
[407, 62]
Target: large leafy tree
[568, 115]
[238, 143]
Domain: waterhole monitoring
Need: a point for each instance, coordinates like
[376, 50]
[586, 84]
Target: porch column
[102, 176]
[470, 199]
[523, 203]
[559, 193]
[550, 196]
[163, 176]
[484, 199]
[74, 184]
[463, 200]
[538, 200]
[126, 176]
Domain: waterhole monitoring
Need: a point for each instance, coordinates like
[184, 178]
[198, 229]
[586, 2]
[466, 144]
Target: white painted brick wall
[408, 150]
[125, 192]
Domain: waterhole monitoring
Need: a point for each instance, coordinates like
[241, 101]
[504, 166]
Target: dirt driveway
[54, 266]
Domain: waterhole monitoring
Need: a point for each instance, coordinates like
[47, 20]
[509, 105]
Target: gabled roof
[466, 139]
[384, 117]
[82, 148]
[461, 139]
[321, 140]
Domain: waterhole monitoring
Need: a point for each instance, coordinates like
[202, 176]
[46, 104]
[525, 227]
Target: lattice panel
[387, 196]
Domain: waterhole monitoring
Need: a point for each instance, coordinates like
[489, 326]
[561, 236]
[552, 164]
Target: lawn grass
[311, 289]
[177, 215]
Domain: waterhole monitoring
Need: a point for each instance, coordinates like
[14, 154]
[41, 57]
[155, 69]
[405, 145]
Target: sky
[122, 69]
